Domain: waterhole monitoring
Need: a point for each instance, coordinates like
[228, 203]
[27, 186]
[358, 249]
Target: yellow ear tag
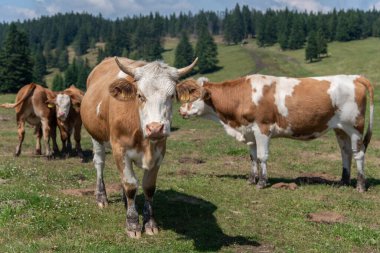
[50, 105]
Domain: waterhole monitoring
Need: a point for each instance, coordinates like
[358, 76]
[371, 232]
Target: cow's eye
[141, 97]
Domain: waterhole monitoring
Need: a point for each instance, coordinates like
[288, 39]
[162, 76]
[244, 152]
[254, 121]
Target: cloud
[302, 5]
[12, 13]
[376, 5]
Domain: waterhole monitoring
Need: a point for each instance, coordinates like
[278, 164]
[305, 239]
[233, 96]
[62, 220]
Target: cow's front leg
[99, 161]
[46, 134]
[149, 187]
[262, 144]
[253, 177]
[65, 145]
[130, 186]
[77, 129]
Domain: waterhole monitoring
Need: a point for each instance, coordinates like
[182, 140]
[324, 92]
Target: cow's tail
[369, 87]
[27, 94]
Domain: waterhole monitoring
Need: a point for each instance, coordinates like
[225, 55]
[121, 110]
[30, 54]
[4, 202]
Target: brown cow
[31, 107]
[256, 108]
[129, 104]
[67, 104]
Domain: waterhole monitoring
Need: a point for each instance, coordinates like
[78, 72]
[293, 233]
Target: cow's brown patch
[288, 186]
[326, 217]
[191, 160]
[310, 107]
[110, 189]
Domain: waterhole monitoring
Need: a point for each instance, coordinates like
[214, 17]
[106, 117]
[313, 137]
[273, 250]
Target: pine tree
[83, 72]
[81, 42]
[321, 43]
[206, 51]
[71, 74]
[184, 52]
[311, 51]
[237, 25]
[39, 67]
[297, 35]
[342, 28]
[63, 60]
[58, 83]
[15, 61]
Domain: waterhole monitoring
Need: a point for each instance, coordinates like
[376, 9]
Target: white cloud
[376, 5]
[308, 5]
[12, 13]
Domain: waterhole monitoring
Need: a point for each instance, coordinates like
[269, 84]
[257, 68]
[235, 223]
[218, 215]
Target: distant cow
[256, 108]
[129, 104]
[67, 104]
[32, 107]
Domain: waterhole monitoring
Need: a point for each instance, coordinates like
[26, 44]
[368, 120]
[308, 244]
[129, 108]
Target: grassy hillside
[203, 202]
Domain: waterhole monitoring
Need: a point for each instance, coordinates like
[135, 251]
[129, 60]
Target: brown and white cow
[67, 104]
[129, 105]
[31, 106]
[256, 108]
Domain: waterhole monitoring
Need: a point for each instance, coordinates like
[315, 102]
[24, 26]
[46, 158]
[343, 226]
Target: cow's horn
[125, 69]
[185, 70]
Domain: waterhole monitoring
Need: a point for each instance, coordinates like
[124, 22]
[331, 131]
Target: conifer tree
[71, 74]
[297, 35]
[321, 43]
[15, 61]
[39, 67]
[311, 51]
[184, 52]
[58, 83]
[206, 51]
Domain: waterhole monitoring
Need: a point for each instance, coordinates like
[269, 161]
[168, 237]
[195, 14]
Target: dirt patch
[110, 189]
[325, 217]
[316, 178]
[3, 181]
[191, 160]
[288, 186]
[183, 172]
[80, 178]
[16, 203]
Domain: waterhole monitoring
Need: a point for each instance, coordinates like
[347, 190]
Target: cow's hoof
[133, 230]
[151, 227]
[361, 188]
[17, 154]
[261, 184]
[37, 152]
[101, 200]
[50, 157]
[252, 180]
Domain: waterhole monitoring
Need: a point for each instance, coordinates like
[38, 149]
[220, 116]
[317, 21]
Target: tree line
[43, 42]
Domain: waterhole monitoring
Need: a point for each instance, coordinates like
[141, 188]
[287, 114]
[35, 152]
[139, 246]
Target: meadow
[203, 202]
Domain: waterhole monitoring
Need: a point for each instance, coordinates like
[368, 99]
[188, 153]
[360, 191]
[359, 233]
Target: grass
[200, 207]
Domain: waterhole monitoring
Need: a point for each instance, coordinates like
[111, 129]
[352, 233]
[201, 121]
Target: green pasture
[203, 202]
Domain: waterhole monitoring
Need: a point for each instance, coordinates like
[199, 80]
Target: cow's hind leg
[77, 129]
[253, 177]
[99, 161]
[38, 132]
[21, 136]
[344, 142]
[46, 133]
[149, 186]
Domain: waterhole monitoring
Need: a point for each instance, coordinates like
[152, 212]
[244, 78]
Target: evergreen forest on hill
[30, 49]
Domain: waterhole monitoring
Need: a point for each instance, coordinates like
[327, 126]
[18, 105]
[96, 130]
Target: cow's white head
[194, 98]
[63, 103]
[154, 87]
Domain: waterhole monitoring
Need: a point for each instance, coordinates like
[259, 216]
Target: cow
[67, 104]
[256, 108]
[31, 106]
[129, 105]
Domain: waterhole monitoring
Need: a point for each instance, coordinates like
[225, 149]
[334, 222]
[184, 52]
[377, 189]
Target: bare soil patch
[110, 189]
[287, 186]
[325, 217]
[316, 178]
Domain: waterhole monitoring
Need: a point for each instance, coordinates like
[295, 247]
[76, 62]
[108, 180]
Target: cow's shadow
[193, 218]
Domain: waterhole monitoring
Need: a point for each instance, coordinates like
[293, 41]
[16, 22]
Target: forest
[30, 48]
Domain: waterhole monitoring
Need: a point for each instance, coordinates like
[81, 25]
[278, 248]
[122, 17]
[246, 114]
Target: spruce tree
[58, 83]
[83, 72]
[71, 74]
[39, 67]
[297, 35]
[237, 25]
[184, 52]
[15, 61]
[206, 51]
[311, 51]
[321, 43]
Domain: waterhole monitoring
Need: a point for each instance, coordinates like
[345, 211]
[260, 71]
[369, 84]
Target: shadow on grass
[193, 219]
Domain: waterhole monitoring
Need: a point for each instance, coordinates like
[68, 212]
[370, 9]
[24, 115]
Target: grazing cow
[32, 107]
[67, 104]
[129, 104]
[256, 108]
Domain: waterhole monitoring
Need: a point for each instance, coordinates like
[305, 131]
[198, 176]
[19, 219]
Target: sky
[13, 10]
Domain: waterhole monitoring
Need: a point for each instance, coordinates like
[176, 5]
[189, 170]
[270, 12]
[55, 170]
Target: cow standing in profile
[31, 106]
[67, 104]
[256, 108]
[129, 105]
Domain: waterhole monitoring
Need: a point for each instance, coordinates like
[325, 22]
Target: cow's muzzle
[155, 130]
[183, 114]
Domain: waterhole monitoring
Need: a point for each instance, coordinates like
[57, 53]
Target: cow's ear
[123, 90]
[76, 104]
[51, 103]
[188, 91]
[206, 95]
